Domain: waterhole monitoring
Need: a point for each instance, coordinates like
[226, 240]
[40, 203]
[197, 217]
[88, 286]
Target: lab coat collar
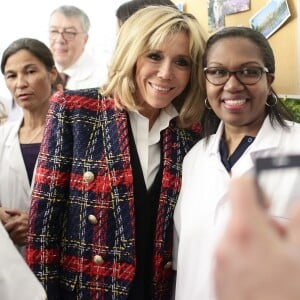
[268, 137]
[15, 160]
[15, 126]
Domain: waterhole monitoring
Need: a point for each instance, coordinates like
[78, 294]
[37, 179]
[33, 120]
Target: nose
[21, 81]
[165, 70]
[233, 83]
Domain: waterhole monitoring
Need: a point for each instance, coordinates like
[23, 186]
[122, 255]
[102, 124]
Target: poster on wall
[216, 19]
[271, 17]
[235, 6]
[217, 9]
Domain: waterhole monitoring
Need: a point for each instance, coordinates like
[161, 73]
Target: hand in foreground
[257, 259]
[17, 226]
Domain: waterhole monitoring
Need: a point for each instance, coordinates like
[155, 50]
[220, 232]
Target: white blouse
[147, 141]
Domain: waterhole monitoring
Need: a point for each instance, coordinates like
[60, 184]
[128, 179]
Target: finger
[10, 225]
[243, 201]
[16, 224]
[226, 259]
[4, 217]
[19, 238]
[13, 212]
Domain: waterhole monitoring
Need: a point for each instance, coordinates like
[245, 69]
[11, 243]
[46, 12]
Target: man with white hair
[68, 36]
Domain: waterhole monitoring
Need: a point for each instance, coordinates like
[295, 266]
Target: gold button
[98, 260]
[88, 177]
[92, 219]
[168, 265]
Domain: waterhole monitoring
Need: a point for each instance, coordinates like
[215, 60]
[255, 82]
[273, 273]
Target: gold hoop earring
[207, 105]
[275, 100]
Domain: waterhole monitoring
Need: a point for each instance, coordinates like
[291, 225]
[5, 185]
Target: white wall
[30, 19]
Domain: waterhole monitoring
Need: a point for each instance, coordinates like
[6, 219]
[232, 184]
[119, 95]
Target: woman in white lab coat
[244, 119]
[29, 73]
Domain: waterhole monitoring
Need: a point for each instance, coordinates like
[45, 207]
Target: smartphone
[278, 177]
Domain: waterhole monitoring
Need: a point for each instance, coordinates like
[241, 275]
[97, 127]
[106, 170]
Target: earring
[207, 105]
[275, 100]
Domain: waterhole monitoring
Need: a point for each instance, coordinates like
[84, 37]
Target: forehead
[59, 20]
[20, 59]
[176, 41]
[234, 48]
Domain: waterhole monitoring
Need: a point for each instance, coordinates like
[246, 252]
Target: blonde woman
[109, 170]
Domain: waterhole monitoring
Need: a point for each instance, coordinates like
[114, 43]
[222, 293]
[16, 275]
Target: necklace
[32, 138]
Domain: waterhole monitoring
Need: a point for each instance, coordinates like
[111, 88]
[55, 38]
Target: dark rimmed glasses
[247, 75]
[67, 35]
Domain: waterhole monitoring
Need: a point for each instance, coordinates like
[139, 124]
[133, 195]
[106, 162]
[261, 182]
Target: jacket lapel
[117, 152]
[15, 159]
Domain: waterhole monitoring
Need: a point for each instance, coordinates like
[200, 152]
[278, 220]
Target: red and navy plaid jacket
[82, 228]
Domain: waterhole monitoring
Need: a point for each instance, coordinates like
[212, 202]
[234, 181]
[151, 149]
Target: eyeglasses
[67, 35]
[247, 76]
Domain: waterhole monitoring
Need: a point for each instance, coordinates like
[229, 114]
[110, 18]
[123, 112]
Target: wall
[285, 41]
[30, 18]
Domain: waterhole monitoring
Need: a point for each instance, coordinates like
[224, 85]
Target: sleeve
[50, 191]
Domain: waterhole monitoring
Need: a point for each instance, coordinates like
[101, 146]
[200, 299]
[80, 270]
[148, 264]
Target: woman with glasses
[243, 119]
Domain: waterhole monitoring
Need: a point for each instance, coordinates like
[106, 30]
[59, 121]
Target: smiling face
[28, 80]
[238, 105]
[162, 74]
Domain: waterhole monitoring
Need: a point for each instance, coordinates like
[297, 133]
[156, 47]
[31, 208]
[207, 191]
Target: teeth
[159, 88]
[235, 102]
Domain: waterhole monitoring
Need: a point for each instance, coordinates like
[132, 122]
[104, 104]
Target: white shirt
[86, 72]
[202, 209]
[16, 279]
[147, 142]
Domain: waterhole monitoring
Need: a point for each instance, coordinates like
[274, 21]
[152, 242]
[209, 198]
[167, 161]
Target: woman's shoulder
[89, 99]
[199, 149]
[88, 92]
[75, 95]
[8, 127]
[293, 128]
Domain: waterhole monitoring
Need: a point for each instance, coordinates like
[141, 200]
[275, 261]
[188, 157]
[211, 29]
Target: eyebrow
[163, 51]
[23, 68]
[63, 28]
[215, 64]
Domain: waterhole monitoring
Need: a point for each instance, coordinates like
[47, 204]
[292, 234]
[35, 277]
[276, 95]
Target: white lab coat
[202, 209]
[86, 72]
[15, 190]
[16, 279]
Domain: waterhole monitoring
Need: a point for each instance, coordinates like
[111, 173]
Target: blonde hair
[143, 32]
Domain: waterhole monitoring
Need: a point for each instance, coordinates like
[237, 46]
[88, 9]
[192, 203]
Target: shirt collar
[162, 122]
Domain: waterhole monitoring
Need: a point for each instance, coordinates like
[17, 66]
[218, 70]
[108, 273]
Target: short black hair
[128, 8]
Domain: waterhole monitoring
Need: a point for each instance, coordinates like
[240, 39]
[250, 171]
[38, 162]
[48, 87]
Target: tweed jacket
[82, 225]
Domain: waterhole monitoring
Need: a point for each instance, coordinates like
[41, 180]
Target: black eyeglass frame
[229, 73]
[66, 35]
